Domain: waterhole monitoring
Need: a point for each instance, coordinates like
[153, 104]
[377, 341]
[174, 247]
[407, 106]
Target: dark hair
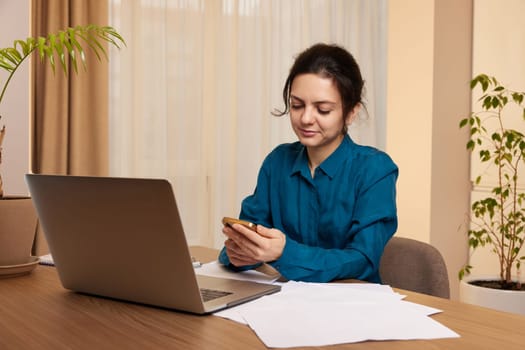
[332, 61]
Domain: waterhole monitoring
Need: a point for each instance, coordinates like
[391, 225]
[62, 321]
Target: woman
[324, 206]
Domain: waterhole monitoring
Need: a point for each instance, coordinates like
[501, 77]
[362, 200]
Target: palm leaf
[62, 47]
[65, 45]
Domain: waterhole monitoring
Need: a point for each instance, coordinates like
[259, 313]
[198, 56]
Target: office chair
[416, 266]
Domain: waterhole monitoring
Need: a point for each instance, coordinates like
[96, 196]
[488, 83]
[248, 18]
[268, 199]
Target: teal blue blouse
[336, 223]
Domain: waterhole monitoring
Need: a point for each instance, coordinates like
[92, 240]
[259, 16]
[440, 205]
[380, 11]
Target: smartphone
[230, 221]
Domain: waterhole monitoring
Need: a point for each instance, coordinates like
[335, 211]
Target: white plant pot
[503, 300]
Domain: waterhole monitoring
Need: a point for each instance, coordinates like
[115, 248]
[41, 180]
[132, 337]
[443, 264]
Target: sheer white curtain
[191, 95]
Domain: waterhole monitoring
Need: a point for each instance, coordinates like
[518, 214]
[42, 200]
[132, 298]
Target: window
[191, 95]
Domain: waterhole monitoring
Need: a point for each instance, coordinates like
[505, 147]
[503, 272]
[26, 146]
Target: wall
[497, 29]
[429, 69]
[14, 24]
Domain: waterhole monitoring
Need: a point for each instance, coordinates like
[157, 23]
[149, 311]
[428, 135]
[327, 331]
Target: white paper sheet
[310, 314]
[291, 325]
[47, 260]
[312, 292]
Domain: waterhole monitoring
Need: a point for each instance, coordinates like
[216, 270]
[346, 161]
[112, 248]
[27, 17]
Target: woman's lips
[307, 133]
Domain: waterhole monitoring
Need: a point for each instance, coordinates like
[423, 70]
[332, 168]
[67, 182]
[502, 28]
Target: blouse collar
[330, 165]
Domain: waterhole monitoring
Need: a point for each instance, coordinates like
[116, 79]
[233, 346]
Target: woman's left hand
[245, 246]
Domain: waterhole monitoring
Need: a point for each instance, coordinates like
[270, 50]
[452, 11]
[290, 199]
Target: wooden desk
[37, 313]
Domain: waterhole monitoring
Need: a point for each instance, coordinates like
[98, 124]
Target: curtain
[69, 115]
[191, 96]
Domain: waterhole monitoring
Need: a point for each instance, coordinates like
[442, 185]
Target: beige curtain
[69, 133]
[69, 114]
[191, 95]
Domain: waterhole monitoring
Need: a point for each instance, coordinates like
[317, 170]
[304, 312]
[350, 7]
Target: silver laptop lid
[117, 237]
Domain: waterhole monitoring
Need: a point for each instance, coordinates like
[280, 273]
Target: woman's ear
[350, 117]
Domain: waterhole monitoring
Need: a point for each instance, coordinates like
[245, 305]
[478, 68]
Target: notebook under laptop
[123, 238]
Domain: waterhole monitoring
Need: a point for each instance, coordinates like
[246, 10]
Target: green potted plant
[65, 48]
[497, 221]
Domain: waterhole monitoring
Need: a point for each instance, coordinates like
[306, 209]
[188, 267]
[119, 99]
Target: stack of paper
[316, 314]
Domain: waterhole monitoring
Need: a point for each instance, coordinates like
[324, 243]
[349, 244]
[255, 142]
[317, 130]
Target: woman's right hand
[247, 247]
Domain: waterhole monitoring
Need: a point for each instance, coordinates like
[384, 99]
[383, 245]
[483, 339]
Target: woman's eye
[323, 111]
[295, 107]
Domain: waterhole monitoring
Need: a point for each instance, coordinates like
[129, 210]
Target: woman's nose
[308, 115]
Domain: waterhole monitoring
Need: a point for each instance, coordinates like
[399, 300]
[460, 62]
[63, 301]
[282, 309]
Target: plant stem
[10, 76]
[504, 273]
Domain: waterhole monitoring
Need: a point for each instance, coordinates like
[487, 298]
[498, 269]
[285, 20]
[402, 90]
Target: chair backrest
[416, 266]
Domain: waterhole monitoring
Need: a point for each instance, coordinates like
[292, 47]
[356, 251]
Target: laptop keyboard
[210, 294]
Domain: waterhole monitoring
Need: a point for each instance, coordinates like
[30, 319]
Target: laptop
[123, 238]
